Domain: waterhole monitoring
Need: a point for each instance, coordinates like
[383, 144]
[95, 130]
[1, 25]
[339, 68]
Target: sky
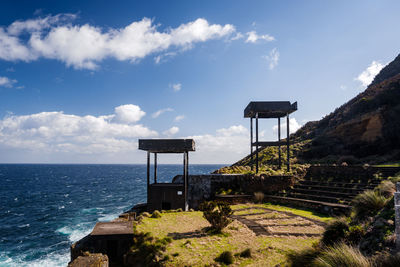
[82, 81]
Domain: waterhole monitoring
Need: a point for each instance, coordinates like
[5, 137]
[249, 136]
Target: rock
[90, 260]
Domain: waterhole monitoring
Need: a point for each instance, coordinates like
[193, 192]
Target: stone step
[331, 193]
[339, 184]
[318, 198]
[330, 188]
[321, 206]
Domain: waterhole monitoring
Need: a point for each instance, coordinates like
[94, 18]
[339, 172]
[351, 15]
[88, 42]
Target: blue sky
[81, 82]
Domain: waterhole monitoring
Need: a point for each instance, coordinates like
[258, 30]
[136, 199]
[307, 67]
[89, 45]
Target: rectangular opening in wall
[179, 193]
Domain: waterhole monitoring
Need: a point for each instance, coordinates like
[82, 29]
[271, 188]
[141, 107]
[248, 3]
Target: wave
[75, 233]
[52, 259]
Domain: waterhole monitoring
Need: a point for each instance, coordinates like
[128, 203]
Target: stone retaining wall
[204, 187]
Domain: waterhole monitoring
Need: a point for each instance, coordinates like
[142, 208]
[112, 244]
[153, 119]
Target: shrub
[217, 214]
[387, 260]
[147, 250]
[302, 258]
[386, 189]
[335, 231]
[156, 214]
[367, 204]
[341, 255]
[258, 197]
[145, 214]
[355, 233]
[225, 257]
[245, 253]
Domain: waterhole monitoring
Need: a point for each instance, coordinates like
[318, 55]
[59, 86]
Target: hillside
[366, 128]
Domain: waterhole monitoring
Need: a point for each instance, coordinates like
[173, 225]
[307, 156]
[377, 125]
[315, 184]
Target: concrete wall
[204, 187]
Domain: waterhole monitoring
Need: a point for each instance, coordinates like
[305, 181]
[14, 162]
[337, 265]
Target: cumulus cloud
[368, 75]
[57, 132]
[84, 46]
[272, 58]
[128, 114]
[6, 82]
[179, 118]
[176, 87]
[171, 131]
[161, 111]
[293, 127]
[227, 145]
[253, 37]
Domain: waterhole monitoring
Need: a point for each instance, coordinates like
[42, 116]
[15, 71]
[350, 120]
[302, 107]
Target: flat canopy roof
[269, 109]
[167, 145]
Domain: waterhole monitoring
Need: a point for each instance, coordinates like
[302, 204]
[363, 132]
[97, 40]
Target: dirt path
[268, 222]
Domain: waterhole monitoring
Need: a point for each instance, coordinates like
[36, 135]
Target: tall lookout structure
[165, 196]
[269, 110]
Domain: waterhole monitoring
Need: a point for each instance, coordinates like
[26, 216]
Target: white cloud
[368, 75]
[84, 46]
[272, 58]
[6, 82]
[179, 118]
[227, 145]
[171, 131]
[293, 127]
[176, 87]
[161, 111]
[128, 114]
[55, 132]
[253, 37]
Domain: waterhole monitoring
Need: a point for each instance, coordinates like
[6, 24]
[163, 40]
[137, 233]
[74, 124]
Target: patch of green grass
[396, 164]
[304, 212]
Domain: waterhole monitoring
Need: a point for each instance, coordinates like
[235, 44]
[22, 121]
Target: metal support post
[155, 168]
[257, 142]
[279, 143]
[148, 176]
[251, 143]
[288, 144]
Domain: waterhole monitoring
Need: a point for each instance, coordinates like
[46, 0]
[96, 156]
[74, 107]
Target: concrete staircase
[330, 190]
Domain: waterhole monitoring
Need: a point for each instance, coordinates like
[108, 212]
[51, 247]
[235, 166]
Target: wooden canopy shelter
[269, 110]
[173, 199]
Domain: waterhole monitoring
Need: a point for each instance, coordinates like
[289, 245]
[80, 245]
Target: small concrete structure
[266, 110]
[397, 215]
[164, 196]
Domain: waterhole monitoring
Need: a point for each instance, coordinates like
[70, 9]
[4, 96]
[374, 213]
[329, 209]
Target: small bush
[335, 231]
[302, 258]
[355, 233]
[217, 214]
[156, 214]
[386, 189]
[245, 253]
[258, 197]
[179, 210]
[368, 204]
[341, 255]
[225, 257]
[387, 260]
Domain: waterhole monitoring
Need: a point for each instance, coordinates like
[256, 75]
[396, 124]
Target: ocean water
[45, 208]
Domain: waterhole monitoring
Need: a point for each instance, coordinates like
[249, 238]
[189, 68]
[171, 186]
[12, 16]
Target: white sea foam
[52, 259]
[76, 232]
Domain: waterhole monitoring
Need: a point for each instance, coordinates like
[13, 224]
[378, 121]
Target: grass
[304, 212]
[192, 245]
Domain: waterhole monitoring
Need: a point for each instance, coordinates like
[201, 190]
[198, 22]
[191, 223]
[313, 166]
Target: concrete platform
[112, 228]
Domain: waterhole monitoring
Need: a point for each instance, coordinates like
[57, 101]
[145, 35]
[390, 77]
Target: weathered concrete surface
[90, 260]
[204, 187]
[113, 228]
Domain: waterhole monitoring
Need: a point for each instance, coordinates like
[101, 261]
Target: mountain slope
[367, 127]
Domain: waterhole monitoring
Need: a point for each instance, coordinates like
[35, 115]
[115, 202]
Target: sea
[45, 208]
